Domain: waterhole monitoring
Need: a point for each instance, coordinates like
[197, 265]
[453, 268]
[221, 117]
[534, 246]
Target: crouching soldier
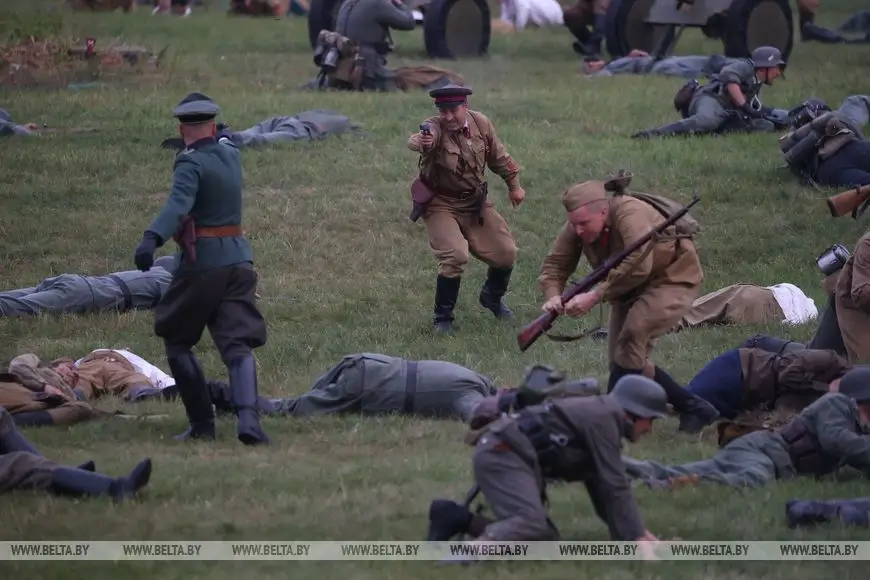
[23, 467]
[569, 439]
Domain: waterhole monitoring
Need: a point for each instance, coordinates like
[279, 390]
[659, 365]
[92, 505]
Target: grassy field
[343, 270]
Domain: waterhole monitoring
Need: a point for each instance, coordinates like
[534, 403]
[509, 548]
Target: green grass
[343, 270]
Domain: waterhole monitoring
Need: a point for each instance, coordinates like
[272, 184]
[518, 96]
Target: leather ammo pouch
[684, 97]
[421, 195]
[803, 448]
[837, 135]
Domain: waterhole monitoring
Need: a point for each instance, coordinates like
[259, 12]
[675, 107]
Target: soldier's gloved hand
[144, 256]
[750, 112]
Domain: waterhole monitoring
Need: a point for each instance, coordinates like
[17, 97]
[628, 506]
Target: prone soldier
[566, 439]
[450, 193]
[830, 433]
[22, 466]
[730, 101]
[215, 282]
[827, 146]
[649, 292]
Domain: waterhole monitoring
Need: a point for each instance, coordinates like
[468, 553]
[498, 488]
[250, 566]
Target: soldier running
[648, 293]
[455, 149]
[215, 282]
[570, 439]
[22, 466]
[828, 434]
[729, 98]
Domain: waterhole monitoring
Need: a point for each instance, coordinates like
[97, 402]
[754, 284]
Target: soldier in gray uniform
[22, 466]
[826, 435]
[215, 283]
[73, 293]
[730, 101]
[374, 384]
[9, 127]
[566, 439]
[306, 126]
[368, 24]
[689, 67]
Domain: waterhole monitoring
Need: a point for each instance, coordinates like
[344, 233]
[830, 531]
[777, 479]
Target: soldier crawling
[730, 102]
[567, 439]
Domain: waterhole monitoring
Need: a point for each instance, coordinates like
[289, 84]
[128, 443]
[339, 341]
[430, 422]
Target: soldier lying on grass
[829, 434]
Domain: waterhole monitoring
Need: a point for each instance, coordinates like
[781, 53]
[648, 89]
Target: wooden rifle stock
[848, 201]
[533, 331]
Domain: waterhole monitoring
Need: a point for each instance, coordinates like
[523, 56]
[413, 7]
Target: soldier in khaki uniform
[460, 220]
[829, 434]
[648, 293]
[569, 439]
[852, 298]
[38, 395]
[746, 379]
[23, 467]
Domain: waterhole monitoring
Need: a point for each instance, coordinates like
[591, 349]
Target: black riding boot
[448, 519]
[77, 482]
[243, 389]
[616, 373]
[494, 289]
[11, 440]
[193, 389]
[446, 295]
[695, 412]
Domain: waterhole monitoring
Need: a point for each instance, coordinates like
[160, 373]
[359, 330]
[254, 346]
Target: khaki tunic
[454, 168]
[649, 292]
[736, 304]
[507, 470]
[852, 297]
[107, 373]
[791, 381]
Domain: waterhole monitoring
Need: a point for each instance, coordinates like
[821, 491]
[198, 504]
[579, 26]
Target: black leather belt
[125, 290]
[410, 386]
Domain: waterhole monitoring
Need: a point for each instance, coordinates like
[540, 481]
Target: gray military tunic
[711, 109]
[856, 108]
[760, 457]
[379, 384]
[367, 23]
[74, 293]
[306, 126]
[689, 67]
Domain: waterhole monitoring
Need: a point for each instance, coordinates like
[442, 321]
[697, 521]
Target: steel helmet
[640, 396]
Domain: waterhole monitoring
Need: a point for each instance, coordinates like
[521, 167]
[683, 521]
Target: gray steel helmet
[640, 396]
[767, 57]
[856, 384]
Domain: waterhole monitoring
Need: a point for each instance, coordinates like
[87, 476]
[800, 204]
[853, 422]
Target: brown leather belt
[461, 196]
[219, 232]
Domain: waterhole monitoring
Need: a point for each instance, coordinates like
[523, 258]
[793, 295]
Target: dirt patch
[59, 62]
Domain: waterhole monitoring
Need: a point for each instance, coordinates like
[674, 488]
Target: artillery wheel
[321, 16]
[457, 28]
[753, 23]
[625, 27]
